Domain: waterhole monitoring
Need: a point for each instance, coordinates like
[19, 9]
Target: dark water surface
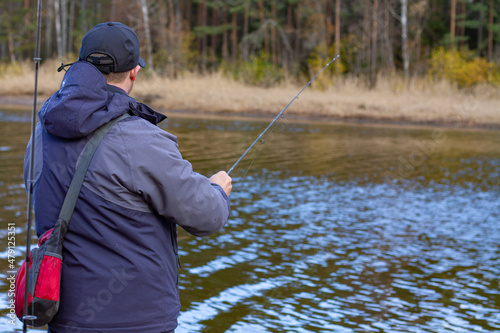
[334, 228]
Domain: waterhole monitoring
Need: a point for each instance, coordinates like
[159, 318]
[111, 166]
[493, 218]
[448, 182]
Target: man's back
[120, 253]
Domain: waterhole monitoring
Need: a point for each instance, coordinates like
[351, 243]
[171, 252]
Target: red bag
[44, 279]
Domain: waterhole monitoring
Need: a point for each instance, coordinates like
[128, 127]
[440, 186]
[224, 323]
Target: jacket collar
[85, 102]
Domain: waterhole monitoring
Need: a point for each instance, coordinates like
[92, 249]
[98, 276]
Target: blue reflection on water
[351, 257]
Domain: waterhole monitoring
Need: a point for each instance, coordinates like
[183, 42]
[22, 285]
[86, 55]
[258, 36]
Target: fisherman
[120, 259]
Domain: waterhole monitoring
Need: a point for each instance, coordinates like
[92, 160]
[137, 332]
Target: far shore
[392, 101]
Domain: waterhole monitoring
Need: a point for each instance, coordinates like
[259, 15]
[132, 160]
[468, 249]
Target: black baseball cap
[111, 47]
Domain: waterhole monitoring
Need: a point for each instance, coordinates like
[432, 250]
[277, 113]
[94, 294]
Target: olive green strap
[81, 170]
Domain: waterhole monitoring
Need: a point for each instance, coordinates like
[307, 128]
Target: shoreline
[26, 103]
[334, 120]
[417, 101]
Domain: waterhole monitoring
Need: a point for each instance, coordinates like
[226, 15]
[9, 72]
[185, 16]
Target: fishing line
[278, 116]
[37, 59]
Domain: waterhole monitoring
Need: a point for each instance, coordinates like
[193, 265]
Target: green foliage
[257, 71]
[463, 68]
[437, 26]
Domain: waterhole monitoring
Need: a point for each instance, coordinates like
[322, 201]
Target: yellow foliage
[462, 68]
[12, 69]
[321, 55]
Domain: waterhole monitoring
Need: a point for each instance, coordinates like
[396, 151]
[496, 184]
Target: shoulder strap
[81, 170]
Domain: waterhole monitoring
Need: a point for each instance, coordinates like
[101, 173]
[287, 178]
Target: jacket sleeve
[169, 185]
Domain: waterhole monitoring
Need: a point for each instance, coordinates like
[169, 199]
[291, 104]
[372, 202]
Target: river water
[334, 227]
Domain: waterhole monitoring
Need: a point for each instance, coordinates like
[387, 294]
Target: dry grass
[393, 100]
[17, 80]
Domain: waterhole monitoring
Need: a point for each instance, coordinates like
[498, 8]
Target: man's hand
[222, 179]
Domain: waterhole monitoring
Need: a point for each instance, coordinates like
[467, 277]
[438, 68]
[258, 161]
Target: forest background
[419, 61]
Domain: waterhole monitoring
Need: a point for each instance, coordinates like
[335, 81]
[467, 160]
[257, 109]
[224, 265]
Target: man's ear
[133, 73]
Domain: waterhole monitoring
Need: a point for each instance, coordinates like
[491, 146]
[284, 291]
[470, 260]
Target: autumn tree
[375, 37]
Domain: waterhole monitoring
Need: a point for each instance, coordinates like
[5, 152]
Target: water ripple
[329, 232]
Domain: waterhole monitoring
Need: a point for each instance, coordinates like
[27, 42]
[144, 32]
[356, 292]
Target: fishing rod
[37, 60]
[279, 114]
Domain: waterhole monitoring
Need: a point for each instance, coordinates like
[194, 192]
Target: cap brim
[142, 63]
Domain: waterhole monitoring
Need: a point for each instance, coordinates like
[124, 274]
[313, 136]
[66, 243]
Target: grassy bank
[417, 101]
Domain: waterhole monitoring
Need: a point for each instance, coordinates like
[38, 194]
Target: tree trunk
[321, 29]
[202, 41]
[329, 11]
[83, 16]
[365, 40]
[298, 31]
[24, 30]
[214, 38]
[59, 36]
[71, 23]
[264, 28]
[452, 22]
[188, 16]
[490, 30]
[171, 25]
[225, 40]
[64, 27]
[404, 38]
[273, 33]
[374, 44]
[288, 55]
[112, 15]
[48, 30]
[181, 10]
[163, 31]
[234, 38]
[463, 16]
[147, 33]
[177, 36]
[388, 50]
[246, 20]
[11, 47]
[3, 46]
[164, 37]
[172, 35]
[98, 7]
[27, 13]
[480, 30]
[337, 35]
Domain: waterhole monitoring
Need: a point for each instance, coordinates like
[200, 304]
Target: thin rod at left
[37, 60]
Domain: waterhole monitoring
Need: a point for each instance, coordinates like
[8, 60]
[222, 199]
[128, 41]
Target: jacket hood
[84, 103]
